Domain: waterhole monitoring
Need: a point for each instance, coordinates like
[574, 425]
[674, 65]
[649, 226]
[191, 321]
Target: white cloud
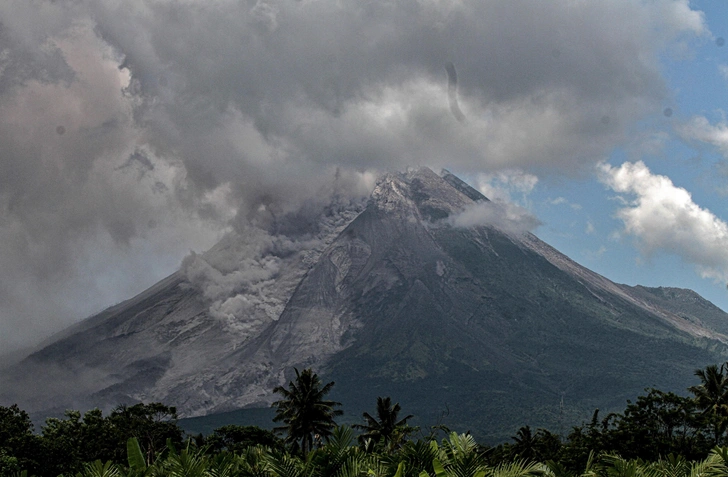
[664, 218]
[700, 129]
[501, 215]
[563, 201]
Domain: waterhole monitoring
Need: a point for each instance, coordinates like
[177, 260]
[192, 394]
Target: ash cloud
[182, 121]
[248, 275]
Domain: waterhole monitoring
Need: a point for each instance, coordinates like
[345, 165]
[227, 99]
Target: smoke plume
[132, 132]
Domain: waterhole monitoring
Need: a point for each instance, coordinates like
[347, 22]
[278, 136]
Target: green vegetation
[307, 416]
[660, 434]
[386, 431]
[64, 445]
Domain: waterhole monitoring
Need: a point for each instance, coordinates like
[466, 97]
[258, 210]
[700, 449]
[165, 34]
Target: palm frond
[100, 469]
[518, 468]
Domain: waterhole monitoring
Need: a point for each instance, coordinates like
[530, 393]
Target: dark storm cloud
[304, 72]
[182, 118]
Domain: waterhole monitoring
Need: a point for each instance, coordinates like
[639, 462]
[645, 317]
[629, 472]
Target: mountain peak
[423, 194]
[403, 297]
[463, 186]
[391, 194]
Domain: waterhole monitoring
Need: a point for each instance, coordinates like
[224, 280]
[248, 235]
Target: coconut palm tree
[306, 415]
[386, 427]
[525, 443]
[711, 395]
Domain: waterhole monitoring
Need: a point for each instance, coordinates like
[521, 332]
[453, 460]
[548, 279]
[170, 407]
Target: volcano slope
[430, 294]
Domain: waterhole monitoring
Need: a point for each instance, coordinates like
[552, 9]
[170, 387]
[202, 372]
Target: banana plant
[137, 464]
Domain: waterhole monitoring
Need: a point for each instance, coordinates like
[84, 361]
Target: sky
[135, 133]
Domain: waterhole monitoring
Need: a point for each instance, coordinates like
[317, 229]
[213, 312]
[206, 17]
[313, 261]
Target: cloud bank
[134, 131]
[664, 218]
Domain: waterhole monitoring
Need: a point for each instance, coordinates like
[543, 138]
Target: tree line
[659, 431]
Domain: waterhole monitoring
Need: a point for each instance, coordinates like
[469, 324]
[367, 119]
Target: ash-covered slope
[431, 294]
[174, 342]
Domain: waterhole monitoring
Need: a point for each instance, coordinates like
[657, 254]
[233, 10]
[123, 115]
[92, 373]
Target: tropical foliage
[387, 429]
[64, 445]
[308, 417]
[711, 395]
[660, 434]
[458, 455]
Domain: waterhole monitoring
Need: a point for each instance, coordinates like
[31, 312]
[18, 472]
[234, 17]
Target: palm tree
[526, 442]
[304, 411]
[711, 395]
[386, 427]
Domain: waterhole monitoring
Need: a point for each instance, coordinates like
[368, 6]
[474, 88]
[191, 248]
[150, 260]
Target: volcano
[428, 292]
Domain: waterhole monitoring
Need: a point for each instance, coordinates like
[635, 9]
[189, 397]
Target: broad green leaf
[135, 456]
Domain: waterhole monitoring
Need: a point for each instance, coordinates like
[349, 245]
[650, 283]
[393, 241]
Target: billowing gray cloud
[133, 131]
